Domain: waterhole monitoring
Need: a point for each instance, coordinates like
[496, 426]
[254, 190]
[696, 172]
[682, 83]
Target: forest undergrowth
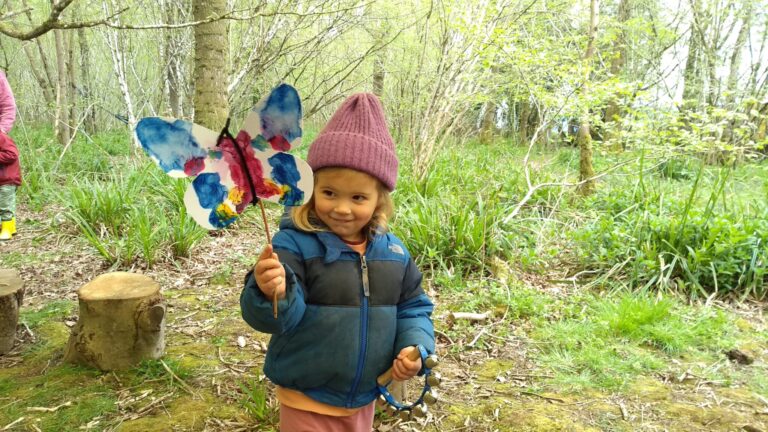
[640, 307]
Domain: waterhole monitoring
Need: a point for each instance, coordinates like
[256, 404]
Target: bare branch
[10, 14]
[53, 23]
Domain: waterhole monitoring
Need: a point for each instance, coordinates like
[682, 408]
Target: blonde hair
[304, 216]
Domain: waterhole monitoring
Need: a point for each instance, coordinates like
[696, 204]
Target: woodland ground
[492, 377]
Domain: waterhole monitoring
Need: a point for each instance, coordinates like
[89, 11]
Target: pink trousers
[295, 420]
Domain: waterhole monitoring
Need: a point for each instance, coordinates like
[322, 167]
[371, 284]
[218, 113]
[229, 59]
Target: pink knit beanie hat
[357, 137]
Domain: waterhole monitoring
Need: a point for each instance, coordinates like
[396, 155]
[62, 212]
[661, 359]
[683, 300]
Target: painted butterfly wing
[226, 179]
[179, 147]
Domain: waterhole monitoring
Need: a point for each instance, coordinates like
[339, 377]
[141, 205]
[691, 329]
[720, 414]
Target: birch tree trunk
[583, 138]
[117, 52]
[61, 127]
[211, 56]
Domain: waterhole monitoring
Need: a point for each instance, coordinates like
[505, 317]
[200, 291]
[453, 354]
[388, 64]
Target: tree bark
[522, 121]
[692, 82]
[618, 60]
[11, 295]
[741, 40]
[121, 323]
[211, 55]
[91, 125]
[488, 123]
[583, 138]
[61, 127]
[378, 74]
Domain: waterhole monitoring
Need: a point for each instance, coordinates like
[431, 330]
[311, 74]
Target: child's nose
[342, 209]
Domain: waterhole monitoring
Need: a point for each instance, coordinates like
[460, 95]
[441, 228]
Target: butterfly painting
[231, 172]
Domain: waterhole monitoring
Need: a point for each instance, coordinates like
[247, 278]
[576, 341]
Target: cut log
[11, 295]
[121, 323]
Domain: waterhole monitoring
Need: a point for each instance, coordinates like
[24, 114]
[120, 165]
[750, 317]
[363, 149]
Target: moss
[505, 415]
[712, 417]
[184, 413]
[194, 356]
[650, 390]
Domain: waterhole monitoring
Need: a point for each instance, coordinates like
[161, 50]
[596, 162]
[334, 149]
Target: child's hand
[270, 274]
[403, 368]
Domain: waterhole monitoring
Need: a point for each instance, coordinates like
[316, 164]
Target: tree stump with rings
[121, 322]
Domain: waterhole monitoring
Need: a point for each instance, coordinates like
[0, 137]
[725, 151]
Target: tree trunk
[71, 109]
[692, 82]
[211, 55]
[741, 40]
[173, 57]
[11, 295]
[488, 123]
[612, 116]
[61, 128]
[121, 322]
[522, 121]
[583, 138]
[86, 85]
[378, 74]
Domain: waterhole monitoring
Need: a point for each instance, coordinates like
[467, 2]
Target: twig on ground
[624, 415]
[152, 404]
[469, 316]
[480, 333]
[181, 381]
[10, 425]
[53, 409]
[546, 398]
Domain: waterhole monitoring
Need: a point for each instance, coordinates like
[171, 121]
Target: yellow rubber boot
[5, 231]
[13, 225]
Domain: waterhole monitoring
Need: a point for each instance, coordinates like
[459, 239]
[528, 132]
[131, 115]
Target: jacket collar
[334, 246]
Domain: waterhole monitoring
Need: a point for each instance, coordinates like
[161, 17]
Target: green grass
[614, 339]
[55, 310]
[58, 385]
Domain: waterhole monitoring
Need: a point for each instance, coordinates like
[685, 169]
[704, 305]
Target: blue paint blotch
[285, 172]
[171, 143]
[281, 114]
[210, 192]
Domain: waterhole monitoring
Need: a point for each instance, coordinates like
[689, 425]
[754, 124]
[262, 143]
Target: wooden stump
[122, 322]
[11, 295]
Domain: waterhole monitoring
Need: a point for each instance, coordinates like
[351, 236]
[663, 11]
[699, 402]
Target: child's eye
[327, 193]
[359, 198]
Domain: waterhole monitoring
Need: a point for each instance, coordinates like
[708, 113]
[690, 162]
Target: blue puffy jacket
[344, 318]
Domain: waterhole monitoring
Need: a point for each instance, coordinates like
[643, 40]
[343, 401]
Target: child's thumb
[266, 253]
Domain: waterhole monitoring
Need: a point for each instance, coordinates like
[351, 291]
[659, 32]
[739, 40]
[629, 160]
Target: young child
[350, 298]
[10, 173]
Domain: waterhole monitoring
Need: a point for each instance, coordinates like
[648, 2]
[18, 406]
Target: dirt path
[488, 389]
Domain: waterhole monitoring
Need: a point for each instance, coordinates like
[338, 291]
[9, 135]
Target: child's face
[345, 201]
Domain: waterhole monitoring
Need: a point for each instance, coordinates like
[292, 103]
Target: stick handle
[269, 240]
[386, 377]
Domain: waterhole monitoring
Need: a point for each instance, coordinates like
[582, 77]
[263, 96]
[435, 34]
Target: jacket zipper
[363, 332]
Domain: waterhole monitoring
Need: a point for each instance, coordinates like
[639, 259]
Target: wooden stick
[269, 240]
[386, 377]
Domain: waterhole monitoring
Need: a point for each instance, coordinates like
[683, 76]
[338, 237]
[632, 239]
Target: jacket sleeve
[7, 105]
[414, 311]
[256, 308]
[8, 151]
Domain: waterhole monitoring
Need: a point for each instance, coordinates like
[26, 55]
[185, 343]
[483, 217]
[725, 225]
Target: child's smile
[345, 201]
